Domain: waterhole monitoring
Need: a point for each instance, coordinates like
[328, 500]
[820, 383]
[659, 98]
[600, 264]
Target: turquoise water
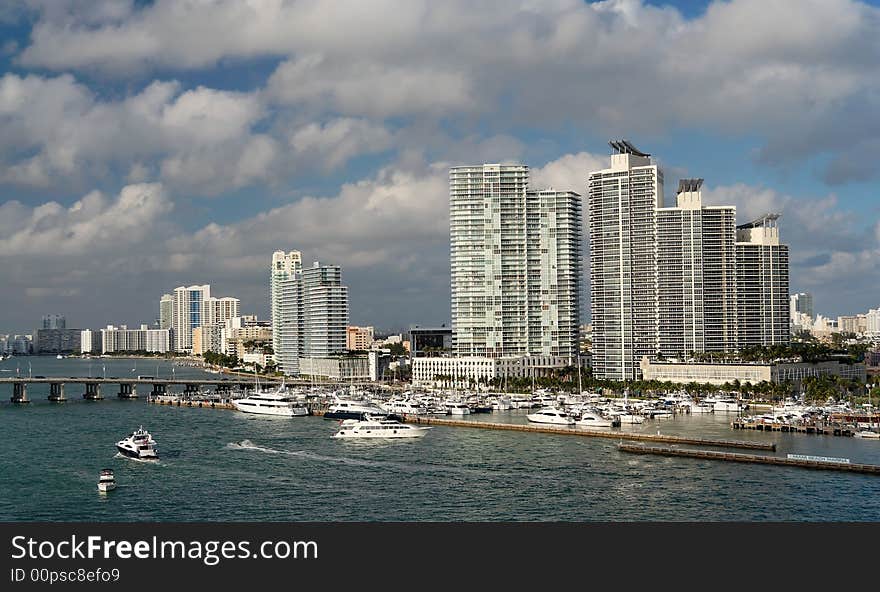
[225, 465]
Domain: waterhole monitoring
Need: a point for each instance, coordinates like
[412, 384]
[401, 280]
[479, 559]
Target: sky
[149, 145]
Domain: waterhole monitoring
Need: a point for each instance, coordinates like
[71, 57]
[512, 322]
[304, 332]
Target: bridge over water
[93, 387]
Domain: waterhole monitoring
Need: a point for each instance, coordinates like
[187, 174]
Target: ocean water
[222, 465]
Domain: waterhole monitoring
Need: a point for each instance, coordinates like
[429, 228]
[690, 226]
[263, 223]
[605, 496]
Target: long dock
[821, 429]
[751, 458]
[616, 435]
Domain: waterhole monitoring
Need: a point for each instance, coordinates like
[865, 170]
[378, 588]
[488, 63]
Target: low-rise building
[752, 372]
[475, 370]
[369, 366]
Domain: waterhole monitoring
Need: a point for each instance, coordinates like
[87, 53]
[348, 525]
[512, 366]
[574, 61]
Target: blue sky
[146, 145]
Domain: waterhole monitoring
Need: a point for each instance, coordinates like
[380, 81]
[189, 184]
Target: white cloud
[93, 224]
[332, 144]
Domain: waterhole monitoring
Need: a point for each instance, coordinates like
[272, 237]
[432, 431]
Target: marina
[218, 464]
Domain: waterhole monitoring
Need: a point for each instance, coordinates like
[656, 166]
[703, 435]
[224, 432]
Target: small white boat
[59, 357]
[139, 445]
[106, 481]
[867, 434]
[378, 428]
[457, 408]
[702, 408]
[551, 415]
[727, 406]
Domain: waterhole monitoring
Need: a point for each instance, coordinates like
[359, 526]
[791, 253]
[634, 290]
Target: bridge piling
[56, 392]
[19, 393]
[127, 390]
[93, 392]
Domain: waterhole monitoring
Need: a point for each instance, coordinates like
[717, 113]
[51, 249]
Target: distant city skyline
[127, 169]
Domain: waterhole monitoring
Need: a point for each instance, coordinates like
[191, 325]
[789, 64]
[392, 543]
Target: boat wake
[346, 460]
[145, 461]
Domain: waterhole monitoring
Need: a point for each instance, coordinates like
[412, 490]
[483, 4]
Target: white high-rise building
[166, 311]
[515, 264]
[623, 200]
[285, 307]
[763, 301]
[872, 323]
[309, 310]
[696, 275]
[85, 341]
[219, 310]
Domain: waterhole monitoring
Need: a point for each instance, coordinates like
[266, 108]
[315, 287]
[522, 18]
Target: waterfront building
[309, 310]
[285, 307]
[473, 371]
[188, 312]
[54, 321]
[86, 341]
[515, 264]
[243, 334]
[57, 341]
[166, 311]
[430, 341]
[752, 372]
[762, 271]
[116, 339]
[358, 338]
[207, 339]
[623, 290]
[696, 275]
[369, 366]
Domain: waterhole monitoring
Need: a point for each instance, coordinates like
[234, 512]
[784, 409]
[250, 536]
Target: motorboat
[378, 427]
[457, 408]
[353, 409]
[106, 481]
[589, 419]
[405, 407]
[272, 403]
[551, 415]
[503, 403]
[867, 434]
[702, 408]
[726, 406]
[139, 445]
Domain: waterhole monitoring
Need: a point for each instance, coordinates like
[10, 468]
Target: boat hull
[276, 411]
[134, 454]
[398, 434]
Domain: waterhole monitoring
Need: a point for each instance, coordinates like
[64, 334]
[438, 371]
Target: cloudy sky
[147, 145]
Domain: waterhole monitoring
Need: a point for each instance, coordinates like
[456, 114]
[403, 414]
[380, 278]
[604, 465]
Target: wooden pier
[751, 458]
[182, 402]
[576, 431]
[820, 429]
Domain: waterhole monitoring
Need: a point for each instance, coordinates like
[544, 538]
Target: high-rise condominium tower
[166, 311]
[309, 310]
[696, 275]
[762, 279]
[285, 305]
[515, 264]
[188, 312]
[623, 260]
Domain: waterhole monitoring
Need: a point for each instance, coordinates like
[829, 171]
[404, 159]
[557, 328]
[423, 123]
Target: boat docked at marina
[353, 409]
[551, 415]
[378, 427]
[867, 435]
[272, 403]
[106, 481]
[457, 408]
[590, 419]
[405, 407]
[139, 445]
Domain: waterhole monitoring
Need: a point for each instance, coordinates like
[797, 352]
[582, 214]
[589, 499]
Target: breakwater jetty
[576, 431]
[788, 461]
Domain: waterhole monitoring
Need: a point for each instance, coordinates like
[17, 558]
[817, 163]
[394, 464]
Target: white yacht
[404, 407]
[272, 403]
[589, 419]
[353, 409]
[457, 408]
[551, 415]
[139, 445]
[867, 434]
[106, 481]
[378, 427]
[702, 407]
[726, 405]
